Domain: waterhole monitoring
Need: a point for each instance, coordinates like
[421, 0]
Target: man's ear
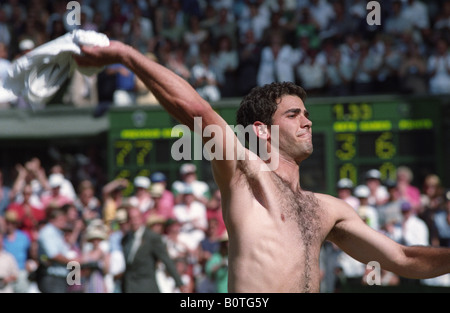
[261, 130]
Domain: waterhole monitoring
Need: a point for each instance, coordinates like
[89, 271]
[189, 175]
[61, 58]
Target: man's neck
[289, 171]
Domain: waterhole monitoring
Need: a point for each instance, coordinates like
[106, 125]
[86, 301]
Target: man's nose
[305, 122]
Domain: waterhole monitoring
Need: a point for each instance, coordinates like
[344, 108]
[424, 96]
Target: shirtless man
[275, 227]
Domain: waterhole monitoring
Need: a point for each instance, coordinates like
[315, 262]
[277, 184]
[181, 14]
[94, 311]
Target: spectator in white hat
[344, 189]
[113, 198]
[95, 259]
[141, 197]
[54, 196]
[366, 211]
[192, 214]
[378, 192]
[66, 188]
[200, 189]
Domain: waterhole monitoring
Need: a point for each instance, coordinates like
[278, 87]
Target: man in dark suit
[143, 248]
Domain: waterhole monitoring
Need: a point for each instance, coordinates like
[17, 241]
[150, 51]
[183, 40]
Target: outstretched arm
[365, 244]
[172, 91]
[175, 94]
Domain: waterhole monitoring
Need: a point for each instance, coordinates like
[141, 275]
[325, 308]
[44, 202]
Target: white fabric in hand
[40, 73]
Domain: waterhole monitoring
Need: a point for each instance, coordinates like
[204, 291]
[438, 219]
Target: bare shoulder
[343, 219]
[337, 209]
[333, 204]
[238, 181]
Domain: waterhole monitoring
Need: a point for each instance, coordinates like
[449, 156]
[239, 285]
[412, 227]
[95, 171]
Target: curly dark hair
[261, 102]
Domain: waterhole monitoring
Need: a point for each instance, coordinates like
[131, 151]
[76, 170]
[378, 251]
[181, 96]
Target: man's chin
[305, 154]
[309, 150]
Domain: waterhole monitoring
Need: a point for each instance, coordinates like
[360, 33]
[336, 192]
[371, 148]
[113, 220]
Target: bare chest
[291, 230]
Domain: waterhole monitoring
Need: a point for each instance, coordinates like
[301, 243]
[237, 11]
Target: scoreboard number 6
[384, 146]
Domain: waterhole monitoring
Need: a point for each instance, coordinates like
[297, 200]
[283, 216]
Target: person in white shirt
[5, 33]
[339, 73]
[414, 230]
[6, 96]
[277, 61]
[141, 197]
[225, 63]
[322, 11]
[4, 62]
[255, 17]
[192, 215]
[397, 23]
[312, 72]
[366, 211]
[204, 78]
[344, 189]
[365, 67]
[439, 69]
[378, 192]
[67, 188]
[416, 12]
[200, 189]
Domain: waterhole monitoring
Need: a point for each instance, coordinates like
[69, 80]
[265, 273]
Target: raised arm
[172, 91]
[175, 94]
[365, 244]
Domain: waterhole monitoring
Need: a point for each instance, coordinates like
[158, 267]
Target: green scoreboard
[139, 143]
[356, 135]
[350, 136]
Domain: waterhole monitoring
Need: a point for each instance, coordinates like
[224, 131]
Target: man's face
[86, 195]
[372, 183]
[295, 129]
[189, 177]
[344, 193]
[55, 190]
[27, 192]
[134, 218]
[188, 198]
[60, 221]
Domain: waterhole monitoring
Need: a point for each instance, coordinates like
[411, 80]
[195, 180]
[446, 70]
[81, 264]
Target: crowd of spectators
[187, 215]
[224, 47]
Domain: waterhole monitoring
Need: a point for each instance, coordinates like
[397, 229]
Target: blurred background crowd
[226, 47]
[50, 216]
[46, 222]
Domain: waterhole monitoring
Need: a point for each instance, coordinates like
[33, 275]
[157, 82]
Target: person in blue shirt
[18, 244]
[125, 93]
[5, 194]
[53, 251]
[442, 221]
